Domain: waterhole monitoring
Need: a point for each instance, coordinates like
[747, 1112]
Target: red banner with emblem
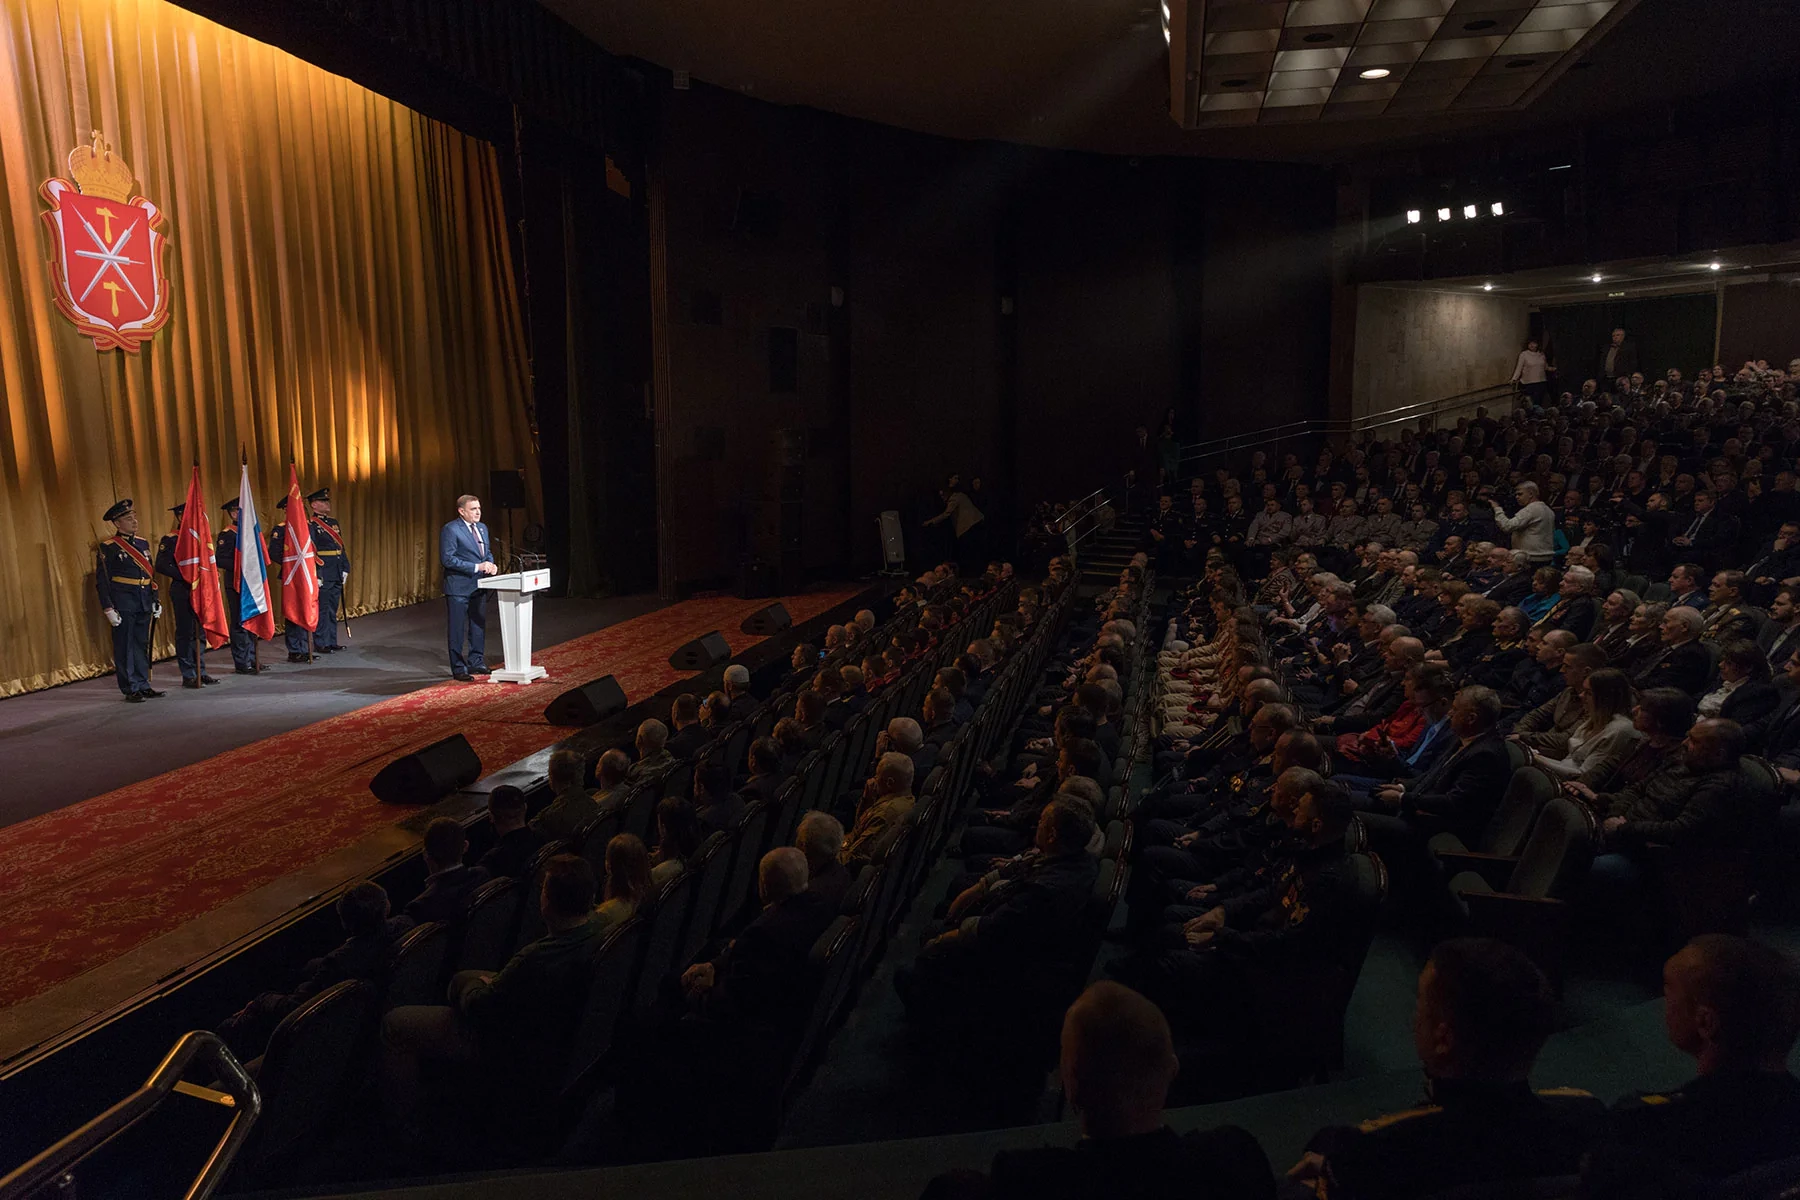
[199, 566]
[299, 561]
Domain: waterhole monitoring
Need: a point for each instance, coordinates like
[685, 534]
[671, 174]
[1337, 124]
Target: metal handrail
[1271, 435]
[1079, 510]
[54, 1164]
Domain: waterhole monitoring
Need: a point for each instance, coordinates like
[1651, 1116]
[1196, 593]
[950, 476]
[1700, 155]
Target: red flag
[299, 563]
[195, 560]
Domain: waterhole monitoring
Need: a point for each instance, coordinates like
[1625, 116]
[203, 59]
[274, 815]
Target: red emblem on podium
[106, 261]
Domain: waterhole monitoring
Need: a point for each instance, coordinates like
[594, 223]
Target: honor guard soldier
[126, 582]
[334, 570]
[190, 645]
[243, 642]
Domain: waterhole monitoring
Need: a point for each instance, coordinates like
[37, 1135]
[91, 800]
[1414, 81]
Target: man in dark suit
[760, 980]
[1709, 536]
[820, 837]
[1459, 793]
[737, 688]
[467, 554]
[1683, 662]
[515, 842]
[1778, 559]
[1618, 358]
[448, 882]
[1118, 1060]
[1780, 635]
[689, 735]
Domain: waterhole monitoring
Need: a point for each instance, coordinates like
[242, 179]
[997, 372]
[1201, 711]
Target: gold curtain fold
[342, 293]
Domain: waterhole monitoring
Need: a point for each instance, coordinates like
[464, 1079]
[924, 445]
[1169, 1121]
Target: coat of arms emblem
[106, 263]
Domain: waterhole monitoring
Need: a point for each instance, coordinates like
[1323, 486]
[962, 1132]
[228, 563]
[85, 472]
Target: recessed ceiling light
[1235, 83]
[1413, 216]
[1469, 212]
[1497, 208]
[1443, 214]
[1596, 277]
[1521, 62]
[1714, 266]
[1478, 26]
[1487, 287]
[1376, 73]
[1316, 38]
[1562, 166]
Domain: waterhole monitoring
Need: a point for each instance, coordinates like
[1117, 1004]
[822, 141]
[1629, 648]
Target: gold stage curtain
[342, 293]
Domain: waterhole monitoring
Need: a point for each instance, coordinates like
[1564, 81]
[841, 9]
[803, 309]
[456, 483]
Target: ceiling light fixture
[1470, 212]
[1413, 216]
[1443, 214]
[1714, 266]
[1487, 287]
[1562, 166]
[1376, 73]
[1497, 208]
[1596, 277]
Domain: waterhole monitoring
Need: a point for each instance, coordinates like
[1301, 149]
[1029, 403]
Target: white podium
[514, 593]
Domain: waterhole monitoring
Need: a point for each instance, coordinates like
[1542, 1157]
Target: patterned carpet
[87, 883]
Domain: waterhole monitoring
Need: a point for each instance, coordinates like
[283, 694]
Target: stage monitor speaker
[588, 704]
[427, 776]
[766, 621]
[704, 651]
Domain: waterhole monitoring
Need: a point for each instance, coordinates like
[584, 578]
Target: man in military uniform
[243, 642]
[1729, 618]
[190, 640]
[334, 571]
[125, 579]
[1734, 1006]
[1484, 1012]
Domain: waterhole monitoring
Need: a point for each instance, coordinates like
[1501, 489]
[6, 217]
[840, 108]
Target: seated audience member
[881, 816]
[1460, 791]
[1484, 1011]
[1643, 641]
[448, 882]
[1004, 931]
[519, 1020]
[1780, 635]
[939, 725]
[1661, 718]
[1733, 1006]
[809, 715]
[820, 837]
[653, 757]
[369, 936]
[689, 734]
[1729, 617]
[761, 979]
[829, 683]
[1118, 1061]
[856, 695]
[1547, 727]
[766, 775]
[956, 682]
[515, 843]
[572, 805]
[1745, 693]
[1602, 737]
[715, 713]
[677, 838]
[737, 688]
[1010, 830]
[627, 881]
[716, 806]
[1682, 661]
[791, 740]
[1696, 800]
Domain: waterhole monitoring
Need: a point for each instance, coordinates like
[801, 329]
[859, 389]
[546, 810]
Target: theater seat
[419, 966]
[831, 961]
[306, 1072]
[489, 931]
[1530, 789]
[591, 839]
[711, 865]
[1528, 910]
[749, 840]
[1707, 889]
[609, 983]
[662, 939]
[531, 918]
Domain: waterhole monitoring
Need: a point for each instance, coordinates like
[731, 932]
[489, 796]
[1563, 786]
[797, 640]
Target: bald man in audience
[653, 757]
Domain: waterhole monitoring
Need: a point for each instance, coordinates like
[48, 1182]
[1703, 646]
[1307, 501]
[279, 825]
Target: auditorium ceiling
[1095, 74]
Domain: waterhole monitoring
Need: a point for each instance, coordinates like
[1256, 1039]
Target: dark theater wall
[1003, 312]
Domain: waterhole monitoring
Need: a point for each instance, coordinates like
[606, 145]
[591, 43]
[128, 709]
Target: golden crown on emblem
[97, 171]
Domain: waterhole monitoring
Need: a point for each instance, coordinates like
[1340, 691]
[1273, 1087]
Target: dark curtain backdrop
[342, 293]
[1670, 331]
[1761, 320]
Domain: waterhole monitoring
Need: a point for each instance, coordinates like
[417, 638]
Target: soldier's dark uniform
[334, 571]
[190, 640]
[1706, 1131]
[1467, 1132]
[126, 584]
[243, 642]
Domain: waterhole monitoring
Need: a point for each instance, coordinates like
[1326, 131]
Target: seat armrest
[1496, 869]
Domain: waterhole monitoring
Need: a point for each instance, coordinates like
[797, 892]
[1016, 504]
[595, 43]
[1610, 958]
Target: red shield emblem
[106, 259]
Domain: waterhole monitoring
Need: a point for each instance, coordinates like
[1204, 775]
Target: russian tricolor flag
[254, 609]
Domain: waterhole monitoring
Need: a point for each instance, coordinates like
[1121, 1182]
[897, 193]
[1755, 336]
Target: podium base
[525, 676]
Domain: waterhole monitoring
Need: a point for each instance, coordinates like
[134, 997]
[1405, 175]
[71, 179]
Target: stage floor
[67, 744]
[107, 895]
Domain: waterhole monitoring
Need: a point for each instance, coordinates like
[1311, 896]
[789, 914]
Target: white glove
[156, 610]
[113, 618]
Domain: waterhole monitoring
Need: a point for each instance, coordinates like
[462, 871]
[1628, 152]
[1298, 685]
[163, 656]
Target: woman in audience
[627, 881]
[1604, 736]
[677, 837]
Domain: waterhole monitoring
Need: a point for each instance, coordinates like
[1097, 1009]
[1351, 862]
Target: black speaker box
[766, 621]
[704, 651]
[427, 776]
[588, 704]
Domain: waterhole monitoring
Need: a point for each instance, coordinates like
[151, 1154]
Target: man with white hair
[653, 757]
[761, 979]
[1576, 610]
[737, 690]
[1533, 526]
[880, 818]
[1683, 662]
[820, 837]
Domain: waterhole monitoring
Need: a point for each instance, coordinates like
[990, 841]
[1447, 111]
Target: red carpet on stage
[87, 883]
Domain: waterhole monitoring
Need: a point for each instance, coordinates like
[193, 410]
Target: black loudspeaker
[766, 621]
[704, 651]
[427, 776]
[588, 704]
